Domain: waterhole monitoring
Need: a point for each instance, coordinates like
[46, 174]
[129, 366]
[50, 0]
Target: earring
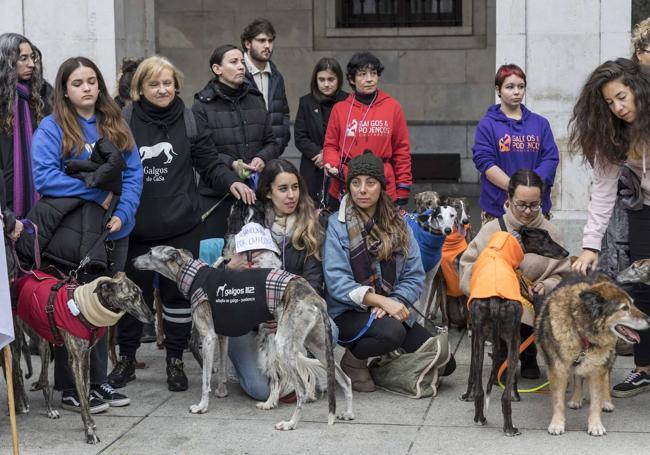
[65, 95]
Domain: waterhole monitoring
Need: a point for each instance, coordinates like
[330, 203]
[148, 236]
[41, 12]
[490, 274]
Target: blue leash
[365, 328]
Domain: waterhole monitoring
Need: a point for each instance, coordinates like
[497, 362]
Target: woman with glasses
[508, 138]
[523, 207]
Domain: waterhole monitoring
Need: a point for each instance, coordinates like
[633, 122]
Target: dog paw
[221, 391]
[596, 429]
[285, 425]
[480, 422]
[574, 404]
[608, 406]
[199, 408]
[91, 437]
[512, 432]
[345, 416]
[266, 406]
[53, 414]
[36, 386]
[466, 397]
[556, 428]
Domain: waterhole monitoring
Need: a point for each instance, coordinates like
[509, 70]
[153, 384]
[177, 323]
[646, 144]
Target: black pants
[177, 315]
[383, 336]
[639, 224]
[63, 378]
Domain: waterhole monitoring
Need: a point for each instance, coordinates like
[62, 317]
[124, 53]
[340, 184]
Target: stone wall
[444, 83]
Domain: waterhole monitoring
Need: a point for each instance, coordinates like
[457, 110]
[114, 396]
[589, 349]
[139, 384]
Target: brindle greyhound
[115, 294]
[302, 324]
[494, 319]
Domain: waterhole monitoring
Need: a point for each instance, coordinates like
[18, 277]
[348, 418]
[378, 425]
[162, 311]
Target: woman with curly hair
[372, 269]
[641, 42]
[610, 127]
[24, 102]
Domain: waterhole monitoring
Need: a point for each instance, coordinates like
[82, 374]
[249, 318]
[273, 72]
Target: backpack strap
[190, 124]
[502, 224]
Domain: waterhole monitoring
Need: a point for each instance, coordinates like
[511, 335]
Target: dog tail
[329, 352]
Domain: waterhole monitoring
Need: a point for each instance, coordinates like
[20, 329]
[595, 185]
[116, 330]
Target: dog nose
[447, 230]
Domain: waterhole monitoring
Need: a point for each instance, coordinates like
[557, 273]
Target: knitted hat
[366, 164]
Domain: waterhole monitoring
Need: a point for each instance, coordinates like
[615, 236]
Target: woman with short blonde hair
[151, 67]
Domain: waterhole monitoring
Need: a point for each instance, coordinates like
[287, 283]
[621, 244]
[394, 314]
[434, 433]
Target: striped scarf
[25, 195]
[367, 271]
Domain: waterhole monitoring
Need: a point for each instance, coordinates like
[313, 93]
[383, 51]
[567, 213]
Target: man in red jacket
[368, 119]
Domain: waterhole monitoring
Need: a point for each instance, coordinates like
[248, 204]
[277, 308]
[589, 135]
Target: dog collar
[585, 347]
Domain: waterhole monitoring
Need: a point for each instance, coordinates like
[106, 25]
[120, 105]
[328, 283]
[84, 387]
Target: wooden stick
[10, 396]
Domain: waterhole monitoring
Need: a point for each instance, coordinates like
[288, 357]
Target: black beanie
[366, 164]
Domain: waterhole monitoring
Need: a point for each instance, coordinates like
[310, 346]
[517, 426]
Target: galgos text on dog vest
[225, 294]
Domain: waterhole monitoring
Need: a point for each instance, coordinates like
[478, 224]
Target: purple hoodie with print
[512, 145]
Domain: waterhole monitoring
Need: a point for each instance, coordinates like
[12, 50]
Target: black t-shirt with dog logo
[238, 299]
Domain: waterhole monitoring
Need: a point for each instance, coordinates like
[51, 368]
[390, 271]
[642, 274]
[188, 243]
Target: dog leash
[211, 209]
[365, 328]
[527, 342]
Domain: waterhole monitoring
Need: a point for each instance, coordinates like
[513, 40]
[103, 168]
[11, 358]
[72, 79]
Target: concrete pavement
[158, 422]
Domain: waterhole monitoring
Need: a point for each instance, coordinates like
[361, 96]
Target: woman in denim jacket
[373, 273]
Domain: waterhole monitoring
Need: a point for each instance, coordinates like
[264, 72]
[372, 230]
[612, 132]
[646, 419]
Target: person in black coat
[311, 121]
[170, 206]
[257, 40]
[234, 114]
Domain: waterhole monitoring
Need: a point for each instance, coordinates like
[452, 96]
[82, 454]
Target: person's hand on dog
[18, 229]
[242, 191]
[114, 224]
[586, 262]
[538, 289]
[239, 261]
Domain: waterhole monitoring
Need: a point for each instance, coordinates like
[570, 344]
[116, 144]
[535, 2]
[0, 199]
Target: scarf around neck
[364, 247]
[25, 195]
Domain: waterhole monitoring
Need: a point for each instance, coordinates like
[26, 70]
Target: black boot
[123, 372]
[176, 379]
[529, 367]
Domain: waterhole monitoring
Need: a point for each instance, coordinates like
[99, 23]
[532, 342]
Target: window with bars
[398, 13]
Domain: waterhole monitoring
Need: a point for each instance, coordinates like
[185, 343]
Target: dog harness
[454, 246]
[48, 305]
[430, 244]
[240, 300]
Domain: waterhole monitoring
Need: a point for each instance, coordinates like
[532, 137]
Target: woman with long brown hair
[610, 128]
[86, 116]
[372, 269]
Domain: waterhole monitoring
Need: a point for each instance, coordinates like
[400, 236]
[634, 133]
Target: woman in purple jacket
[508, 138]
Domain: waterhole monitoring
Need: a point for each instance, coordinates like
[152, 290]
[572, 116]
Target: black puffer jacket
[278, 106]
[240, 127]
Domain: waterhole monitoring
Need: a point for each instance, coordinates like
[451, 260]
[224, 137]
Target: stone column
[104, 31]
[558, 44]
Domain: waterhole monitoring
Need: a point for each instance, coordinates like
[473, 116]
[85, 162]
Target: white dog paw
[345, 416]
[53, 414]
[596, 429]
[608, 406]
[221, 391]
[285, 425]
[198, 408]
[266, 406]
[556, 428]
[91, 437]
[574, 404]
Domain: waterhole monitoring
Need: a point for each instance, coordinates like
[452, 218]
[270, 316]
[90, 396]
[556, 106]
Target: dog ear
[422, 218]
[594, 301]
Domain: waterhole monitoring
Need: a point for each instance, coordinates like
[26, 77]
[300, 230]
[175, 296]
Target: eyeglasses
[25, 58]
[643, 51]
[533, 206]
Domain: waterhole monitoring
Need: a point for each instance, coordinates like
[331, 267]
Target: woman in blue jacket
[508, 138]
[372, 268]
[84, 112]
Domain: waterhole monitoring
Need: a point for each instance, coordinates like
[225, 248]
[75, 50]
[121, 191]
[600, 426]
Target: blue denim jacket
[343, 292]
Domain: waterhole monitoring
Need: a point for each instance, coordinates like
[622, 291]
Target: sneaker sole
[95, 410]
[121, 384]
[119, 403]
[630, 393]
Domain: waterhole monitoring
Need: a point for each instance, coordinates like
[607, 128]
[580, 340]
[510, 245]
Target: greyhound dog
[494, 318]
[301, 315]
[108, 297]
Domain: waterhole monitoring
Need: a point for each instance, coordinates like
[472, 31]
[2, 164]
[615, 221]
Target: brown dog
[577, 329]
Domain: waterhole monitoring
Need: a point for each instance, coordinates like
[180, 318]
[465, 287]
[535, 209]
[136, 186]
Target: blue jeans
[243, 355]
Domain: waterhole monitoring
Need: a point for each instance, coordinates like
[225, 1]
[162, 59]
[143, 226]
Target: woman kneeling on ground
[522, 208]
[372, 265]
[291, 217]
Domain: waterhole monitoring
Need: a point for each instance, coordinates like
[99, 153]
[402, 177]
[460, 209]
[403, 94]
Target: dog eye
[625, 308]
